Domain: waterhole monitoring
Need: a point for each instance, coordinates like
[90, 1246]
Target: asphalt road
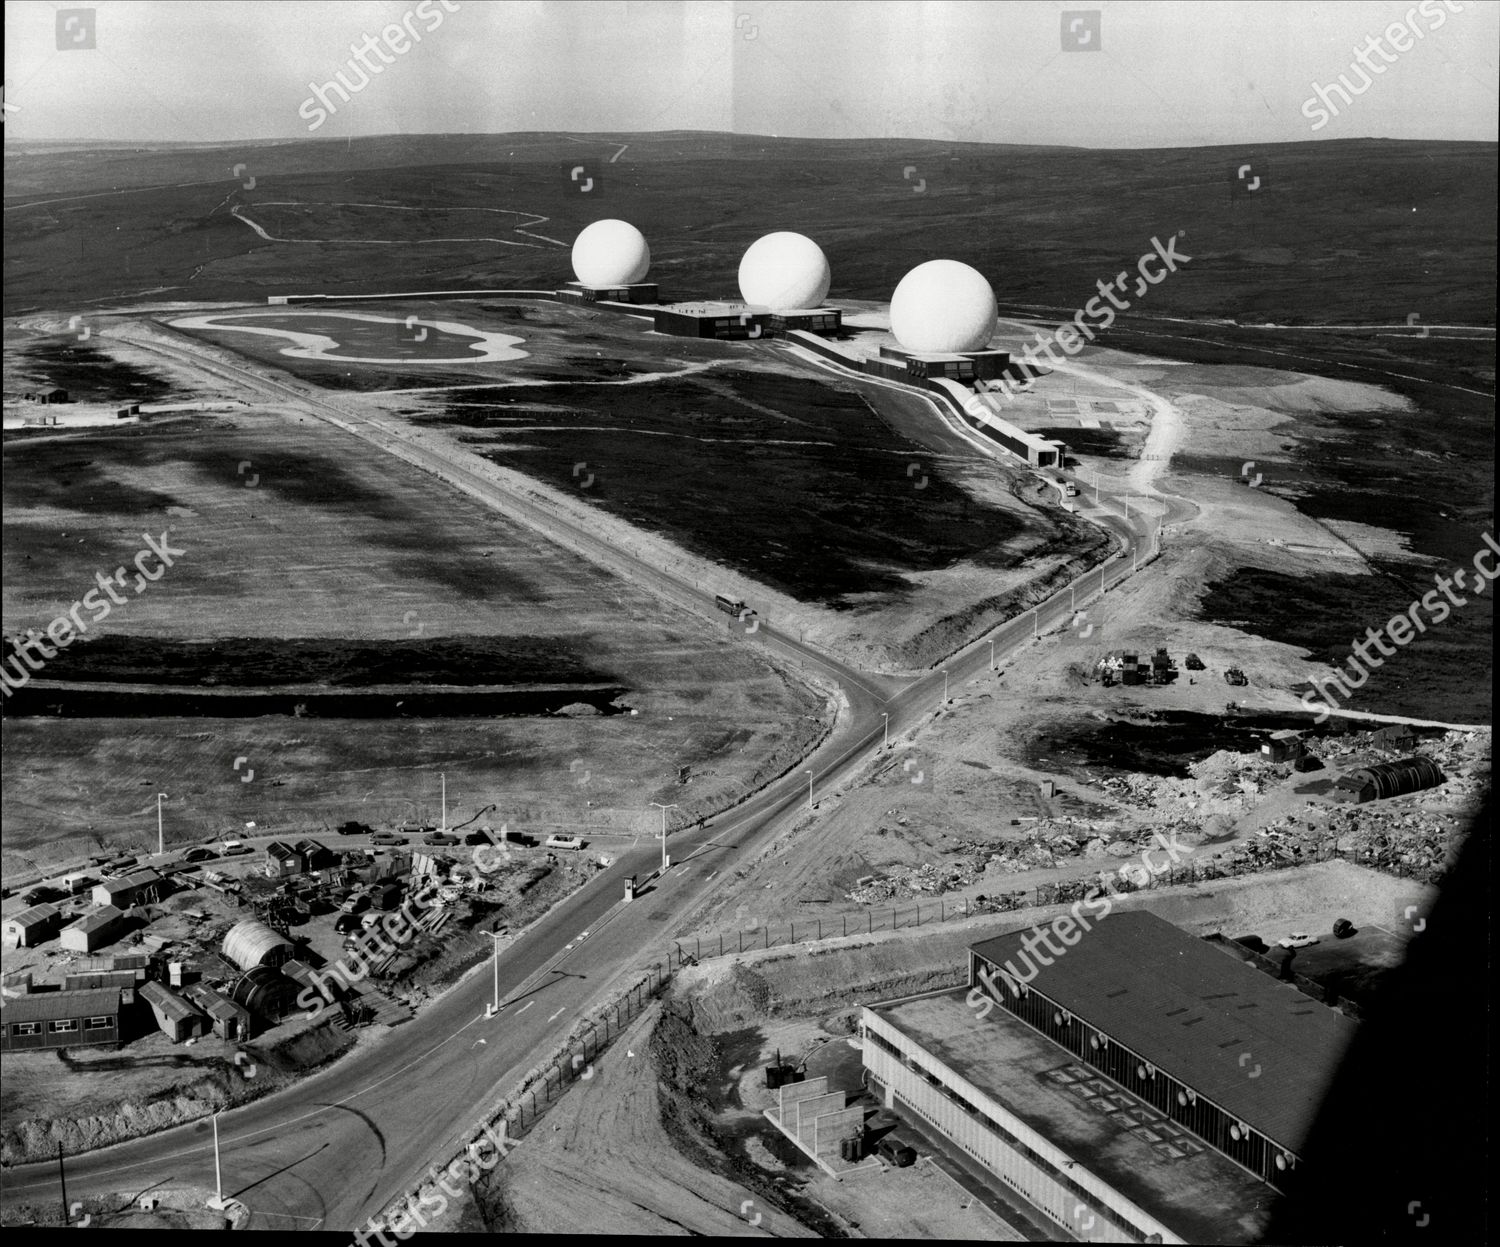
[343, 1143]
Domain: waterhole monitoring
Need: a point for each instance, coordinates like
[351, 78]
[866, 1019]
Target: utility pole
[63, 1182]
[665, 860]
[810, 805]
[161, 842]
[992, 652]
[945, 686]
[444, 824]
[886, 725]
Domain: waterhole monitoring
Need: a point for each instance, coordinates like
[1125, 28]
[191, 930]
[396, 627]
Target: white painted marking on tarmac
[619, 153]
[524, 1007]
[557, 1015]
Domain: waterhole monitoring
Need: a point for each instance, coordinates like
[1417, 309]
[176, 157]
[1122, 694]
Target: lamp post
[443, 826]
[493, 1009]
[665, 860]
[886, 730]
[218, 1200]
[810, 805]
[992, 652]
[161, 843]
[945, 686]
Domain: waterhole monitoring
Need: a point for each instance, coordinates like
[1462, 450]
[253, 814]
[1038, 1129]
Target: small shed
[1284, 746]
[228, 1019]
[283, 860]
[177, 1018]
[94, 930]
[315, 855]
[31, 926]
[47, 394]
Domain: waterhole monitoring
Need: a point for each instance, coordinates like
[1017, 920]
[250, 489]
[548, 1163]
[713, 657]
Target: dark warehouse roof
[1194, 1013]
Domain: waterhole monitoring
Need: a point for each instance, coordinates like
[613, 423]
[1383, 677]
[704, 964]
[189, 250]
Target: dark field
[85, 372]
[1164, 745]
[254, 662]
[798, 483]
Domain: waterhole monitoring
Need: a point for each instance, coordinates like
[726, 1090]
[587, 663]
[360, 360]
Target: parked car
[440, 838]
[199, 854]
[478, 837]
[345, 923]
[41, 895]
[353, 828]
[356, 904]
[1297, 939]
[233, 848]
[564, 842]
[387, 837]
[894, 1152]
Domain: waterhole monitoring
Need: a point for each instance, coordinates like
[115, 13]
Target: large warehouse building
[1137, 1065]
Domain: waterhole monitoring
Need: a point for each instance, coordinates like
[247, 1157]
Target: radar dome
[610, 253]
[784, 270]
[941, 307]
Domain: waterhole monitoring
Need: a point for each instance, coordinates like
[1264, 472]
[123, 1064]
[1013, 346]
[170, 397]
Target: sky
[1133, 73]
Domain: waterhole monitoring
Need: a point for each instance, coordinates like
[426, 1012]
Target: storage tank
[251, 943]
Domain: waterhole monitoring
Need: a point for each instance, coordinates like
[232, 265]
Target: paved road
[340, 1145]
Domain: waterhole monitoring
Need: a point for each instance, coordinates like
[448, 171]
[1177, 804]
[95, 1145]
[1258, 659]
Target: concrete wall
[808, 1111]
[831, 1127]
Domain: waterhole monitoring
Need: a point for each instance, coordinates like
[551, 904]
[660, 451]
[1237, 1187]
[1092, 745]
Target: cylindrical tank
[251, 943]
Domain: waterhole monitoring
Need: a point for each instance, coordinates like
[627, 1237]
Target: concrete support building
[636, 292]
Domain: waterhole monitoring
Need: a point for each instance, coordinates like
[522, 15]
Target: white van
[564, 842]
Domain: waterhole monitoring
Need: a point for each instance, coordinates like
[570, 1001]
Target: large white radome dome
[782, 271]
[611, 253]
[943, 306]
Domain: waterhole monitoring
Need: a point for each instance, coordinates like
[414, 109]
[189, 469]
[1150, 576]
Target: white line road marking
[557, 1015]
[710, 876]
[619, 153]
[524, 1007]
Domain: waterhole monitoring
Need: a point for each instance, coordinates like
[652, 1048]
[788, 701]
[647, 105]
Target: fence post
[742, 941]
[768, 935]
[871, 916]
[721, 943]
[844, 918]
[793, 940]
[820, 928]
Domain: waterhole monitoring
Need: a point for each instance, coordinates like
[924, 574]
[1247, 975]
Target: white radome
[943, 306]
[611, 253]
[784, 270]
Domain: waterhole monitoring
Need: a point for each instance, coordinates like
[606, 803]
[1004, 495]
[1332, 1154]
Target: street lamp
[161, 843]
[886, 726]
[992, 652]
[810, 805]
[493, 1009]
[665, 860]
[443, 826]
[945, 686]
[218, 1200]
